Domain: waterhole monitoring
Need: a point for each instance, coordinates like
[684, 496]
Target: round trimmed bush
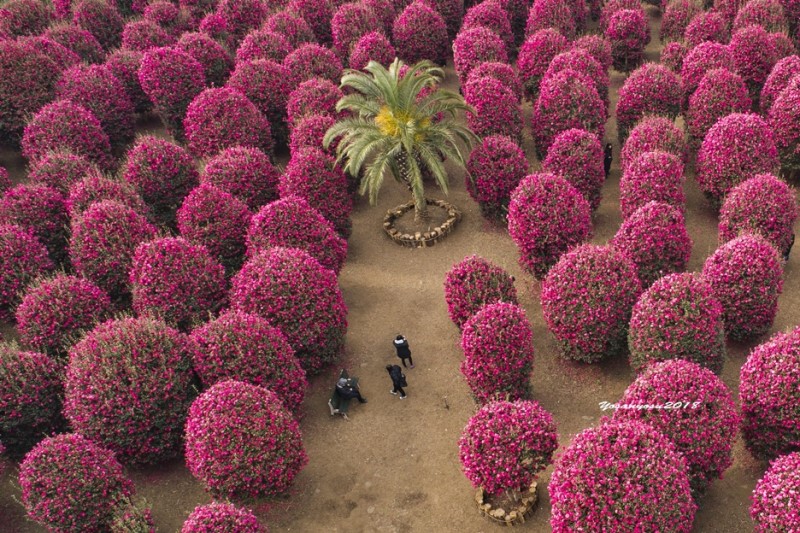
[728, 8]
[314, 176]
[215, 60]
[176, 281]
[498, 353]
[474, 283]
[246, 173]
[248, 348]
[349, 23]
[763, 204]
[23, 258]
[267, 85]
[676, 17]
[746, 276]
[769, 393]
[534, 57]
[419, 32]
[651, 89]
[41, 210]
[754, 55]
[475, 46]
[65, 125]
[546, 217]
[101, 19]
[506, 444]
[653, 176]
[654, 237]
[672, 56]
[612, 6]
[497, 110]
[95, 188]
[765, 13]
[290, 25]
[502, 72]
[143, 35]
[163, 173]
[292, 223]
[783, 117]
[215, 26]
[241, 16]
[490, 14]
[629, 32]
[302, 298]
[452, 11]
[653, 134]
[775, 498]
[25, 17]
[778, 79]
[55, 311]
[598, 47]
[309, 132]
[60, 170]
[263, 44]
[241, 441]
[577, 156]
[372, 46]
[27, 82]
[60, 54]
[678, 317]
[707, 26]
[494, 169]
[220, 516]
[784, 47]
[318, 14]
[311, 60]
[219, 118]
[554, 14]
[128, 386]
[736, 148]
[517, 14]
[703, 427]
[103, 241]
[581, 61]
[78, 40]
[719, 94]
[69, 483]
[587, 298]
[31, 393]
[167, 15]
[386, 11]
[124, 65]
[700, 59]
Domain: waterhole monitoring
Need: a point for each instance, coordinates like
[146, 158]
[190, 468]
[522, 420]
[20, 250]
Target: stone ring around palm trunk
[420, 236]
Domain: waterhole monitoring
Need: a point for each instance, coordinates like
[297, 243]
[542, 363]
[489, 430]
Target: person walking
[607, 157]
[403, 351]
[398, 380]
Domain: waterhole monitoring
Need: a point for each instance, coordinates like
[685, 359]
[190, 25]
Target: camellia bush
[267, 85]
[124, 65]
[612, 6]
[101, 19]
[69, 483]
[128, 387]
[242, 441]
[491, 14]
[41, 210]
[349, 23]
[577, 156]
[706, 26]
[736, 148]
[167, 15]
[473, 283]
[652, 134]
[746, 276]
[779, 77]
[420, 32]
[474, 46]
[263, 44]
[220, 516]
[768, 14]
[699, 60]
[672, 56]
[676, 17]
[581, 61]
[494, 169]
[653, 176]
[317, 14]
[763, 204]
[651, 89]
[754, 54]
[309, 133]
[311, 60]
[60, 169]
[598, 47]
[497, 110]
[654, 237]
[775, 500]
[316, 96]
[302, 298]
[546, 217]
[55, 311]
[78, 40]
[248, 348]
[31, 393]
[719, 94]
[216, 61]
[22, 258]
[290, 25]
[25, 17]
[498, 352]
[783, 117]
[678, 317]
[245, 172]
[241, 16]
[534, 57]
[769, 393]
[629, 32]
[96, 188]
[142, 35]
[58, 53]
[502, 72]
[587, 298]
[551, 14]
[372, 46]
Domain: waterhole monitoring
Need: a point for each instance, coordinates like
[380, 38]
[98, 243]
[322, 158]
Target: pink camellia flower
[534, 57]
[776, 504]
[217, 516]
[472, 47]
[676, 17]
[473, 283]
[653, 134]
[577, 156]
[420, 32]
[650, 90]
[653, 176]
[719, 94]
[494, 169]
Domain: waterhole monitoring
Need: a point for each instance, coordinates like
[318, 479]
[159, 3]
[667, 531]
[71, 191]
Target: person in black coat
[398, 380]
[788, 249]
[403, 351]
[607, 157]
[347, 389]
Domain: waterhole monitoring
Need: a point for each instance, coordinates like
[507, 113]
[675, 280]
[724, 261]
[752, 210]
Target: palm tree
[396, 127]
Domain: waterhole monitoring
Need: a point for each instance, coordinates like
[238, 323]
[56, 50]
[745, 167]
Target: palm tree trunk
[421, 211]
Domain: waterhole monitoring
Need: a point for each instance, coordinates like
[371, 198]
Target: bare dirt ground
[394, 468]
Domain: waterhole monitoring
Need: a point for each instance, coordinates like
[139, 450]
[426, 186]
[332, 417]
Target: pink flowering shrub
[546, 217]
[263, 44]
[598, 47]
[314, 176]
[246, 173]
[775, 498]
[452, 11]
[103, 241]
[42, 211]
[309, 132]
[577, 156]
[629, 32]
[317, 14]
[768, 14]
[654, 237]
[95, 188]
[55, 311]
[783, 117]
[737, 147]
[473, 283]
[248, 348]
[746, 276]
[582, 62]
[267, 85]
[349, 23]
[65, 125]
[678, 317]
[60, 54]
[311, 60]
[653, 134]
[506, 444]
[101, 19]
[496, 109]
[779, 79]
[502, 72]
[672, 56]
[124, 65]
[784, 47]
[651, 89]
[60, 170]
[25, 17]
[490, 14]
[498, 352]
[220, 516]
[653, 176]
[143, 35]
[534, 57]
[241, 16]
[372, 46]
[242, 441]
[475, 46]
[128, 387]
[754, 55]
[299, 296]
[676, 18]
[216, 26]
[702, 429]
[78, 40]
[162, 172]
[316, 96]
[215, 60]
[176, 281]
[707, 26]
[763, 204]
[70, 483]
[728, 8]
[720, 93]
[167, 15]
[217, 220]
[419, 32]
[700, 59]
[554, 14]
[634, 468]
[567, 100]
[290, 25]
[587, 298]
[292, 223]
[220, 118]
[31, 394]
[23, 259]
[769, 393]
[494, 169]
